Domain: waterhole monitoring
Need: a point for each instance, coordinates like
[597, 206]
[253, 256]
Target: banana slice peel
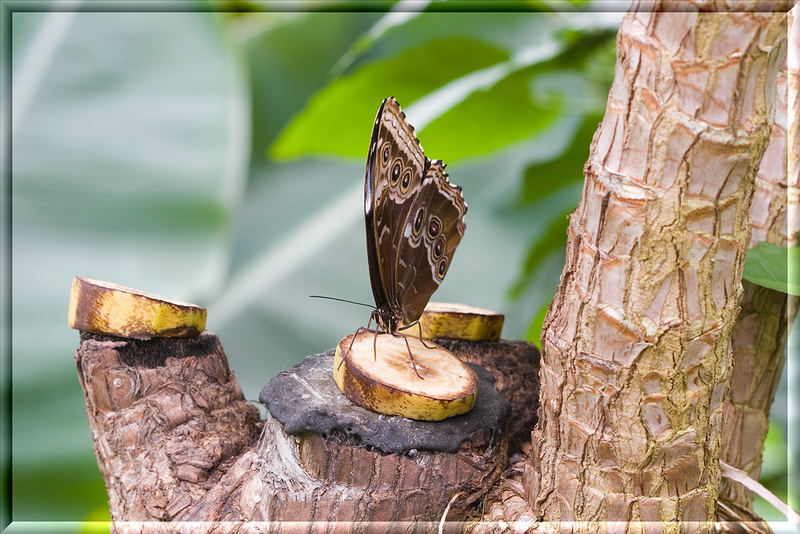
[459, 321]
[107, 308]
[377, 373]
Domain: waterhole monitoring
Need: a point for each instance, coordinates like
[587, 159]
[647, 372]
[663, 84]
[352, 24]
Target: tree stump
[180, 448]
[515, 366]
[168, 420]
[394, 469]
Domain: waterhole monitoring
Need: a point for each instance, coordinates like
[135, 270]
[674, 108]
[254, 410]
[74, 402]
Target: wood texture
[182, 451]
[292, 481]
[167, 419]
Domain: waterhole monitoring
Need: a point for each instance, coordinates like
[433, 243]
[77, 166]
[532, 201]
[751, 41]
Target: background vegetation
[219, 158]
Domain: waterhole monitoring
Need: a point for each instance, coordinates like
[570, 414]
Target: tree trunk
[759, 335]
[760, 330]
[636, 344]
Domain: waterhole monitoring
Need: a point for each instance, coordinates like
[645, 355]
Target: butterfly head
[387, 319]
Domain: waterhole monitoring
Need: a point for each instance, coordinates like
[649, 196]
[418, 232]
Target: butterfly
[414, 220]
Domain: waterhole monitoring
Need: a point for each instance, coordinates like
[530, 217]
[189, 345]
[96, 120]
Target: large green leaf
[553, 238]
[542, 179]
[470, 93]
[774, 267]
[534, 333]
[490, 119]
[544, 182]
[129, 145]
[524, 100]
[336, 119]
[481, 107]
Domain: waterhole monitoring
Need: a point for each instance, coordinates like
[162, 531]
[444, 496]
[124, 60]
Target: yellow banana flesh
[377, 374]
[107, 308]
[458, 321]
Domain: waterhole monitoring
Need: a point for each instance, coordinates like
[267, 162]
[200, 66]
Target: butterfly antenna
[340, 300]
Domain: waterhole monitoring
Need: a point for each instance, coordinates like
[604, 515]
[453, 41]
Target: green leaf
[490, 119]
[128, 161]
[543, 182]
[290, 57]
[336, 119]
[467, 111]
[775, 465]
[774, 267]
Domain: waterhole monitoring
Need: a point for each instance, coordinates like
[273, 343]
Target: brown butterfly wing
[396, 166]
[427, 240]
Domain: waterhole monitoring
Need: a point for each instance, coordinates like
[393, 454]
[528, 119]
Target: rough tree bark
[762, 322]
[636, 352]
[168, 420]
[759, 335]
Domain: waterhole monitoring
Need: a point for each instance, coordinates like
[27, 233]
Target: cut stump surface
[396, 469]
[305, 398]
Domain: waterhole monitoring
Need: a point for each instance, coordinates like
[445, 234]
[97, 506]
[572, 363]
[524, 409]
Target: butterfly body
[414, 220]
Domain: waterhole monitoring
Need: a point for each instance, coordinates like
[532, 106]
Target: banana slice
[383, 380]
[459, 321]
[107, 308]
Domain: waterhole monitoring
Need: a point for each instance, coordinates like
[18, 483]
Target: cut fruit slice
[384, 381]
[107, 308]
[459, 321]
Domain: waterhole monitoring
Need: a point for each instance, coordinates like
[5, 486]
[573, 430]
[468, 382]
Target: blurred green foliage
[773, 471]
[328, 125]
[218, 158]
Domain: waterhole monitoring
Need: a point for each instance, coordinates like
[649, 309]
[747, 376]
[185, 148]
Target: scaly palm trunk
[636, 344]
[759, 335]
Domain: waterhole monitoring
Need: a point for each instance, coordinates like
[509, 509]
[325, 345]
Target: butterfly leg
[375, 345]
[346, 354]
[419, 325]
[410, 355]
